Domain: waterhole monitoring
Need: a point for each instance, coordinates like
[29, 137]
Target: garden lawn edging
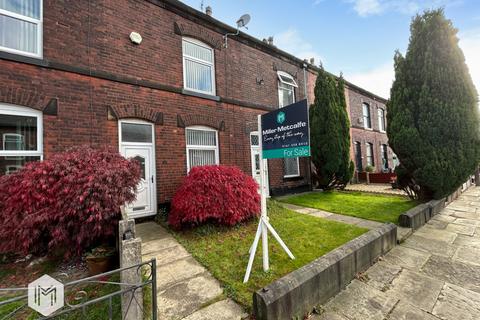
[297, 293]
[419, 215]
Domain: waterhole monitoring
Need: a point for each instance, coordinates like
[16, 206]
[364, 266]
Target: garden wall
[418, 216]
[296, 294]
[376, 177]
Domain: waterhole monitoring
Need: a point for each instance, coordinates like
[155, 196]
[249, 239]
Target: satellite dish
[243, 21]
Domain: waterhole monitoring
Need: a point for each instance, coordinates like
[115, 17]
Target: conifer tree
[433, 124]
[330, 134]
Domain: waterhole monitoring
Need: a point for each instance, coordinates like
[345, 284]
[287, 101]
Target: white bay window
[21, 27]
[198, 66]
[202, 146]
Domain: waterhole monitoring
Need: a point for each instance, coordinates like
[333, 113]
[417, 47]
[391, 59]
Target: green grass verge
[376, 207]
[224, 251]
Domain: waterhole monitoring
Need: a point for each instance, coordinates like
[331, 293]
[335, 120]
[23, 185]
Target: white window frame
[381, 119]
[298, 169]
[364, 117]
[199, 147]
[292, 84]
[200, 61]
[38, 22]
[7, 109]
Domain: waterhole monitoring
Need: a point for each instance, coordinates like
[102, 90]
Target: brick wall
[355, 99]
[99, 76]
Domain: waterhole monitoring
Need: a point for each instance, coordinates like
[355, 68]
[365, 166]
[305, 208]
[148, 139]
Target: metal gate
[98, 297]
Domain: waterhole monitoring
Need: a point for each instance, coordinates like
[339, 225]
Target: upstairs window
[21, 27]
[198, 66]
[367, 122]
[381, 120]
[202, 146]
[286, 89]
[21, 137]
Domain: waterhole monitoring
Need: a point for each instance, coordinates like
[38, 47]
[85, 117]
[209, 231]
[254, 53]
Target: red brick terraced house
[368, 124]
[151, 79]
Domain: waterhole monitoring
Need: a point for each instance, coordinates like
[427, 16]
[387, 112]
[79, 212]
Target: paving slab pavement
[186, 290]
[432, 275]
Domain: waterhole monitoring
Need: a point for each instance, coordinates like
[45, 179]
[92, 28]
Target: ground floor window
[370, 160]
[358, 156]
[291, 167]
[384, 155]
[20, 137]
[202, 146]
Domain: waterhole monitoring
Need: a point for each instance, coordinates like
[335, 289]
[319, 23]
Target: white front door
[143, 152]
[255, 158]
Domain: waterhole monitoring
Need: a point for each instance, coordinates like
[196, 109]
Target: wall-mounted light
[135, 37]
[260, 81]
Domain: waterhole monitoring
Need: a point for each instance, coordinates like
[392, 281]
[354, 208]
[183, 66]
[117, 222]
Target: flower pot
[97, 265]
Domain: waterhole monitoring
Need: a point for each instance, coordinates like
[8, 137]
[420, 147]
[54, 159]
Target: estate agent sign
[285, 132]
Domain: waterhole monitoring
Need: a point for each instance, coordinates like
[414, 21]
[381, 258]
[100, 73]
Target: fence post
[130, 254]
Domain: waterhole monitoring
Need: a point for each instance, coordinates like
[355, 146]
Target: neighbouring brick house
[71, 74]
[369, 141]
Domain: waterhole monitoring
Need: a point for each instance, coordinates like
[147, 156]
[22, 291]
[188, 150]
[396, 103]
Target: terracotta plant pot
[97, 265]
[100, 260]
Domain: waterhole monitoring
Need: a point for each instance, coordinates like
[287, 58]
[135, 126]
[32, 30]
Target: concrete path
[434, 274]
[380, 188]
[402, 233]
[186, 290]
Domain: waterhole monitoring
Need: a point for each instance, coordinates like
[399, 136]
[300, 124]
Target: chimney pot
[208, 11]
[270, 40]
[312, 60]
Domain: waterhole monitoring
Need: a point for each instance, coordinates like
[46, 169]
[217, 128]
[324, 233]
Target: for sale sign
[285, 132]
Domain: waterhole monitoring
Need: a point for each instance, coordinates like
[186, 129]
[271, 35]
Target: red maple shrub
[66, 203]
[222, 194]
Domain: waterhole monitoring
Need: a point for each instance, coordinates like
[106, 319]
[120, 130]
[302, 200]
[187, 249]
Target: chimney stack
[208, 11]
[270, 40]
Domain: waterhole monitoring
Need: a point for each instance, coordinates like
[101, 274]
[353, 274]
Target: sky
[355, 37]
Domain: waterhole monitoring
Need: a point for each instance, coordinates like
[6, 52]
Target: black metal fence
[97, 297]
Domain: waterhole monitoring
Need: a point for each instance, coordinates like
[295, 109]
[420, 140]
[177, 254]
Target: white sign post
[263, 225]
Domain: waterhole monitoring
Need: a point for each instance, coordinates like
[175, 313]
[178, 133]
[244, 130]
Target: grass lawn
[376, 207]
[224, 251]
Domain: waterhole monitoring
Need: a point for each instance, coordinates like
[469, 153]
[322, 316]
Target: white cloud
[292, 42]
[366, 8]
[377, 80]
[470, 44]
